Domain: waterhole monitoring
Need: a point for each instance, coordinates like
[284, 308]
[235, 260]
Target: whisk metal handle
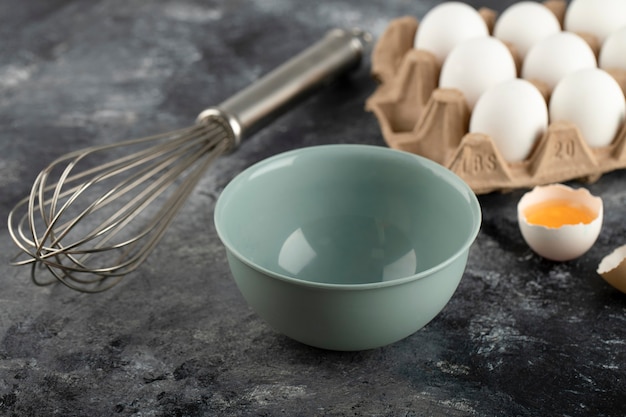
[252, 108]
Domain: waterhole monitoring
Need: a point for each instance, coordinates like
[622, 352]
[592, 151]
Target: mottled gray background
[521, 337]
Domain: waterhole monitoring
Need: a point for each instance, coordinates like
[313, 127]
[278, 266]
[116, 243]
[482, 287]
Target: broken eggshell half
[613, 268]
[561, 242]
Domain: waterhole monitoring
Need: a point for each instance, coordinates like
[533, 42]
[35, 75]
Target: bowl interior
[347, 214]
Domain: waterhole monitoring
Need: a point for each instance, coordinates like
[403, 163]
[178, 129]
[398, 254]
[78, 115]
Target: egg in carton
[417, 116]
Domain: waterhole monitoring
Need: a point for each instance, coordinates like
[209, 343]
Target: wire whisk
[96, 214]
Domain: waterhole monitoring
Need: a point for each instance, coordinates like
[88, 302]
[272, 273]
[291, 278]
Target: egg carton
[416, 116]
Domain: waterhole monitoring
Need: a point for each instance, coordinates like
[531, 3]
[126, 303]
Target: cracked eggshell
[569, 241]
[612, 268]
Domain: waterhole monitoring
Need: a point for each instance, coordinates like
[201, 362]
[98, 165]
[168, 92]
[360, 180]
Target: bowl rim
[442, 171]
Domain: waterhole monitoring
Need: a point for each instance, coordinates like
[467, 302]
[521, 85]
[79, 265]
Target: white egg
[613, 52]
[567, 241]
[446, 25]
[475, 65]
[596, 17]
[514, 114]
[555, 56]
[593, 101]
[524, 24]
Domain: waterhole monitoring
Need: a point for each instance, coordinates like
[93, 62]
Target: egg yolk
[557, 213]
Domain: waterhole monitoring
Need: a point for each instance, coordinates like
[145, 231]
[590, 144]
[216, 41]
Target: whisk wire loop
[114, 245]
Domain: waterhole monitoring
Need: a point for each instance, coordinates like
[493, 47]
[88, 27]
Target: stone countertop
[522, 336]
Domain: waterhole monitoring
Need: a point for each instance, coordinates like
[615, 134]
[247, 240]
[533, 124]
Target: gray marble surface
[522, 336]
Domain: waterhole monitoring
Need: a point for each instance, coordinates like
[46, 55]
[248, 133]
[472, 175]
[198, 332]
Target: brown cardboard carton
[416, 116]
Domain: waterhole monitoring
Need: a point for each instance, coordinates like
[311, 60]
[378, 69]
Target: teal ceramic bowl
[347, 247]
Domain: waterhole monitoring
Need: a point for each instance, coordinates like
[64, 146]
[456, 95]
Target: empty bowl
[347, 247]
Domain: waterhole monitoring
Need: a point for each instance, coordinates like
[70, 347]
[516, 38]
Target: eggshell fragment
[569, 241]
[613, 268]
